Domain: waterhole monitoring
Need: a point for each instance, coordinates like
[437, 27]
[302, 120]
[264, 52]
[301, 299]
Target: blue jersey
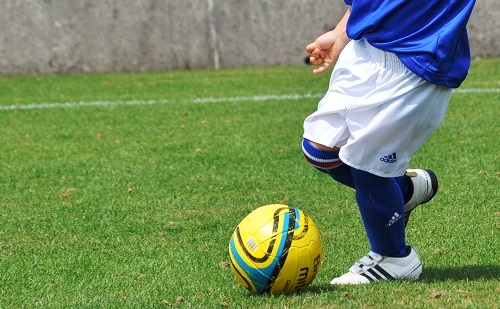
[429, 37]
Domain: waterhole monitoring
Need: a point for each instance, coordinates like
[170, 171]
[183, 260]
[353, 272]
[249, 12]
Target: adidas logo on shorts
[390, 158]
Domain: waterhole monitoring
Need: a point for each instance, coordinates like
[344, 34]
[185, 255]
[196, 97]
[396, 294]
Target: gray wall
[74, 36]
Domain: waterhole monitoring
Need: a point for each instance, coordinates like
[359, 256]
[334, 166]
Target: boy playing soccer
[396, 62]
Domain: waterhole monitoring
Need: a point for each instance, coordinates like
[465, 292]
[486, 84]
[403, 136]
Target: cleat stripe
[371, 279]
[414, 269]
[384, 273]
[376, 275]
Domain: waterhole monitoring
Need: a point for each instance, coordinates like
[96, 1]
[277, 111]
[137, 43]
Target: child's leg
[381, 205]
[327, 161]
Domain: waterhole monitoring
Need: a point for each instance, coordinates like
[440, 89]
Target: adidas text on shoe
[425, 186]
[375, 267]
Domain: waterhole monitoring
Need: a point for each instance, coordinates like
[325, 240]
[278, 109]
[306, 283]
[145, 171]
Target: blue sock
[381, 205]
[343, 175]
[406, 187]
[328, 162]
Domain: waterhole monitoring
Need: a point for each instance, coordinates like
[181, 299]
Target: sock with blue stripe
[381, 205]
[328, 162]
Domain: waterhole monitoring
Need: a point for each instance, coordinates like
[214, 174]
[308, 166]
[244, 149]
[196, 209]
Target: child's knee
[321, 157]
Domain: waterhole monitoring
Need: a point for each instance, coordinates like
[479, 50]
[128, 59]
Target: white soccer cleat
[425, 186]
[374, 267]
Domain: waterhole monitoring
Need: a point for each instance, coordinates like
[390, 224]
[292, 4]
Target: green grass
[133, 206]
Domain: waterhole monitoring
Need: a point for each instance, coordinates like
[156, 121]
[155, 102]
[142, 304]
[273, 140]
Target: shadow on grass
[432, 275]
[473, 272]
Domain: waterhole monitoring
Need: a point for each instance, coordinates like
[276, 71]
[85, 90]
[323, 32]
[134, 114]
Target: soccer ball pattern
[276, 249]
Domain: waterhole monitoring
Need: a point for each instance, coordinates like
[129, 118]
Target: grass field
[122, 191]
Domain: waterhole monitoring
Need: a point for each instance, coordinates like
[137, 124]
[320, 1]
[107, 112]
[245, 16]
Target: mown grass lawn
[122, 191]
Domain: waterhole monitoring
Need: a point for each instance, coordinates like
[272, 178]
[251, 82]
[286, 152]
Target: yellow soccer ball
[276, 249]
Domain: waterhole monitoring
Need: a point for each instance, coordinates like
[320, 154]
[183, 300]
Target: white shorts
[376, 110]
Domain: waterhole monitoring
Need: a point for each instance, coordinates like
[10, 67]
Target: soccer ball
[276, 249]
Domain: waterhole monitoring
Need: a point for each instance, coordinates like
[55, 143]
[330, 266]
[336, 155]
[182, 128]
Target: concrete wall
[74, 36]
[484, 29]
